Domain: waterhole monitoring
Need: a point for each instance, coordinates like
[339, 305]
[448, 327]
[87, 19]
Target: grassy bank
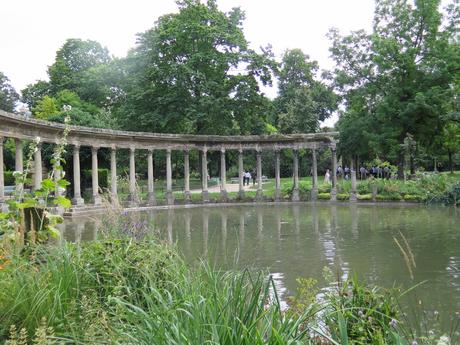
[117, 290]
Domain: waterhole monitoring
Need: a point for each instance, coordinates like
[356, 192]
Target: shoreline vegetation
[126, 287]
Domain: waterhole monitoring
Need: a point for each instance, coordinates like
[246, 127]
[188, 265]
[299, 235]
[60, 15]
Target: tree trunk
[451, 165]
[401, 166]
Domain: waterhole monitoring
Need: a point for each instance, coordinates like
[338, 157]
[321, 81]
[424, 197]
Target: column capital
[222, 150]
[1, 140]
[168, 150]
[132, 149]
[150, 151]
[94, 149]
[204, 149]
[113, 148]
[76, 148]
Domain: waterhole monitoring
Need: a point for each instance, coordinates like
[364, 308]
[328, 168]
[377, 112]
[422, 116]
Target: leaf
[62, 201]
[63, 183]
[52, 231]
[48, 184]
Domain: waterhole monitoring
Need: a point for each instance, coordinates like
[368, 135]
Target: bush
[103, 178]
[411, 197]
[388, 197]
[324, 188]
[364, 188]
[324, 196]
[343, 196]
[8, 178]
[364, 196]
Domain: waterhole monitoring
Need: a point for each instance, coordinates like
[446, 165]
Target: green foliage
[398, 81]
[324, 196]
[364, 197]
[362, 315]
[8, 95]
[103, 178]
[302, 101]
[45, 108]
[8, 178]
[185, 75]
[343, 196]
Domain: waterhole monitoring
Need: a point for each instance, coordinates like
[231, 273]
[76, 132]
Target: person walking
[327, 177]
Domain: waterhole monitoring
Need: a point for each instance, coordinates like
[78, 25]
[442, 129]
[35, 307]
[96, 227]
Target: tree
[74, 58]
[302, 100]
[35, 92]
[194, 73]
[399, 77]
[8, 95]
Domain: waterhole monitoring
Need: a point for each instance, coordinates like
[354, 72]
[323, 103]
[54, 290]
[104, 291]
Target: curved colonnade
[21, 128]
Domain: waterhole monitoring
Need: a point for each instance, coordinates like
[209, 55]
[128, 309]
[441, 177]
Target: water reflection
[299, 240]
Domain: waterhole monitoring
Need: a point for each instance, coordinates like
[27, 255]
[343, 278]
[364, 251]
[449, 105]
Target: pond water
[299, 240]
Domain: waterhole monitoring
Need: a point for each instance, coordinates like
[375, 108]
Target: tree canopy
[397, 80]
[194, 73]
[8, 95]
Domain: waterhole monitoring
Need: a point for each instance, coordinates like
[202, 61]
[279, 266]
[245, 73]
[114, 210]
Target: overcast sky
[32, 31]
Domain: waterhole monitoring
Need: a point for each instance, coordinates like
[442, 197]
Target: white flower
[67, 107]
[37, 140]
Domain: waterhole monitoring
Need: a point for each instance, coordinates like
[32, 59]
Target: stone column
[295, 191]
[113, 172]
[277, 176]
[38, 173]
[240, 174]
[259, 193]
[204, 174]
[57, 172]
[132, 178]
[150, 180]
[77, 199]
[169, 193]
[314, 173]
[334, 174]
[353, 182]
[223, 176]
[2, 180]
[19, 164]
[95, 176]
[187, 194]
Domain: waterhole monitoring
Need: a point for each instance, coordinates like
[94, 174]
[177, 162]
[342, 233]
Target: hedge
[103, 178]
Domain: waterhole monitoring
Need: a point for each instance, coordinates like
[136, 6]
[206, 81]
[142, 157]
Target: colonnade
[77, 199]
[19, 128]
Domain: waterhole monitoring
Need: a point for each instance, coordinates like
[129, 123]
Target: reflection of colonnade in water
[22, 129]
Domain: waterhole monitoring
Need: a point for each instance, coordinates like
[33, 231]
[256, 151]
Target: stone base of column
[314, 194]
[241, 194]
[295, 194]
[3, 207]
[205, 196]
[133, 200]
[259, 195]
[151, 199]
[169, 198]
[333, 194]
[277, 194]
[78, 202]
[114, 198]
[223, 196]
[187, 196]
[353, 197]
[97, 200]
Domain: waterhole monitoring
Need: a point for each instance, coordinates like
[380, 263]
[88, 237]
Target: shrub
[412, 197]
[364, 188]
[362, 315]
[343, 196]
[387, 197]
[8, 178]
[324, 188]
[324, 196]
[364, 196]
[103, 178]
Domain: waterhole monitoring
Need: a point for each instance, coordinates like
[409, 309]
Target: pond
[376, 242]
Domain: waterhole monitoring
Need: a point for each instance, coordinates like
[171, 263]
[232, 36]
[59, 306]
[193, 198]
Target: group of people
[375, 172]
[364, 173]
[247, 176]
